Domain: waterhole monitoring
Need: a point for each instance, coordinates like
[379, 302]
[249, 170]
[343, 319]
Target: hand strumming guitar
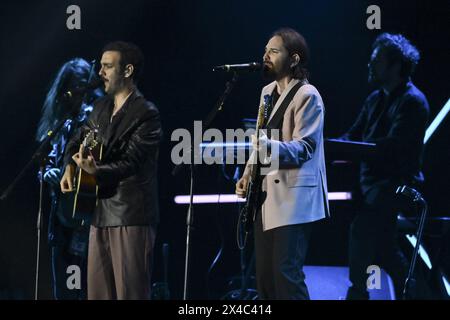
[66, 182]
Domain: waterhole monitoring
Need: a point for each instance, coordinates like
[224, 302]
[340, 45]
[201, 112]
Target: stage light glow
[422, 253]
[446, 284]
[437, 121]
[232, 198]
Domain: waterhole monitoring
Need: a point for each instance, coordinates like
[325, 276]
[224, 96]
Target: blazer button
[277, 181]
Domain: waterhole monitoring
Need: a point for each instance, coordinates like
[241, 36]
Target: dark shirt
[275, 97]
[397, 124]
[127, 172]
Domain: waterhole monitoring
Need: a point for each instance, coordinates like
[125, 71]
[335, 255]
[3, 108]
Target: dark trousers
[120, 262]
[373, 241]
[280, 255]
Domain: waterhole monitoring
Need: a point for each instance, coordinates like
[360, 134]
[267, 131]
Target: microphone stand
[39, 156]
[190, 213]
[410, 283]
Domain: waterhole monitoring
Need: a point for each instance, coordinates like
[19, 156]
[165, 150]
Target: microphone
[83, 88]
[243, 67]
[409, 193]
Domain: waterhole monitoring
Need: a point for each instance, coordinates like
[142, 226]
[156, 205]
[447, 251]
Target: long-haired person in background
[67, 237]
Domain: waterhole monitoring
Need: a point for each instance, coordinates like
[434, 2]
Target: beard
[268, 72]
[271, 72]
[114, 85]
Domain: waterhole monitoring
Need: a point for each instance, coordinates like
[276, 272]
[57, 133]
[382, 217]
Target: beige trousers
[120, 263]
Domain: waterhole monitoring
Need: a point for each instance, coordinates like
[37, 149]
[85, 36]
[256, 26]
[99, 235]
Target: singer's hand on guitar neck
[241, 186]
[261, 144]
[86, 163]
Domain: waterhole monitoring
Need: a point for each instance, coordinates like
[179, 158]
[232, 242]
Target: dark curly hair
[295, 43]
[129, 54]
[398, 49]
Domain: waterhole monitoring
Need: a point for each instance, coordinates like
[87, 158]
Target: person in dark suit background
[394, 117]
[123, 228]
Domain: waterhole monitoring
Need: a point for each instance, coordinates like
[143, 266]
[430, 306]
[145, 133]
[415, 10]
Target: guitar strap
[276, 122]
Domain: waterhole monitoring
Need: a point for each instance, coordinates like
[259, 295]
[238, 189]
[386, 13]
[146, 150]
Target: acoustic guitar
[77, 206]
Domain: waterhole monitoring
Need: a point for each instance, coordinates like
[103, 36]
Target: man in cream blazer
[296, 187]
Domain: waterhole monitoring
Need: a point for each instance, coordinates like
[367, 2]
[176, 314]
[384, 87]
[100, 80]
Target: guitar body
[254, 188]
[78, 206]
[252, 203]
[85, 199]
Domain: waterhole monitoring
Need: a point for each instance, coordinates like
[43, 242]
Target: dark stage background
[182, 40]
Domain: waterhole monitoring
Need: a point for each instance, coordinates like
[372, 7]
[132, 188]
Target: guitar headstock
[267, 106]
[263, 112]
[91, 140]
